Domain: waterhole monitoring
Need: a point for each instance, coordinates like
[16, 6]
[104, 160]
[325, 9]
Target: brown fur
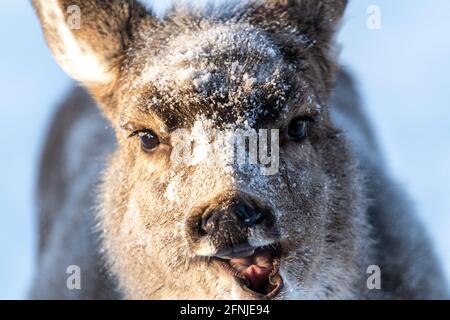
[335, 210]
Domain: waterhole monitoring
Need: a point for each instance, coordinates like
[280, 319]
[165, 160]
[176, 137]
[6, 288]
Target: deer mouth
[255, 269]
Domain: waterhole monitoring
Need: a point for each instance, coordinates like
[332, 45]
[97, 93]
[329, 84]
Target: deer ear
[88, 37]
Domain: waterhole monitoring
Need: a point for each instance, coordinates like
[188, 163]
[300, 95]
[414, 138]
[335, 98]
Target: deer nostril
[248, 215]
[209, 222]
[227, 218]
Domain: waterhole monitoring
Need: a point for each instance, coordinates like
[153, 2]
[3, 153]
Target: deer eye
[149, 139]
[298, 128]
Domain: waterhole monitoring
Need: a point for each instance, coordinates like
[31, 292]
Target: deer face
[182, 216]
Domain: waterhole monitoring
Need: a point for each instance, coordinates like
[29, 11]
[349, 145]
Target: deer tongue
[256, 268]
[257, 276]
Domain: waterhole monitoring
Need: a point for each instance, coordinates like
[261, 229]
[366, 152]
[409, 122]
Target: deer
[139, 224]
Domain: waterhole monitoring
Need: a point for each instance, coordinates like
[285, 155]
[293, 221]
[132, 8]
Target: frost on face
[219, 70]
[206, 158]
[232, 67]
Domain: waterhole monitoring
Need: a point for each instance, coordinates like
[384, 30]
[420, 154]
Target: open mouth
[256, 269]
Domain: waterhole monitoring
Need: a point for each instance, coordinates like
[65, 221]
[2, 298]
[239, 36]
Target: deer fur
[121, 214]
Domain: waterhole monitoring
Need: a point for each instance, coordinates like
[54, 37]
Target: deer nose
[236, 215]
[222, 228]
[250, 216]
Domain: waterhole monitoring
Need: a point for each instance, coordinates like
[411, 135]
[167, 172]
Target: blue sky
[403, 72]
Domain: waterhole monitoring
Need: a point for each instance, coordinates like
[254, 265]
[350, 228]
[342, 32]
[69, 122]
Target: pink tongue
[257, 276]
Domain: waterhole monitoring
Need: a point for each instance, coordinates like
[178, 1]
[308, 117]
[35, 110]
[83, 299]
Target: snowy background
[403, 70]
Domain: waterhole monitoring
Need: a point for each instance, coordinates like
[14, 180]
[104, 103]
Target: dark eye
[149, 139]
[298, 128]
